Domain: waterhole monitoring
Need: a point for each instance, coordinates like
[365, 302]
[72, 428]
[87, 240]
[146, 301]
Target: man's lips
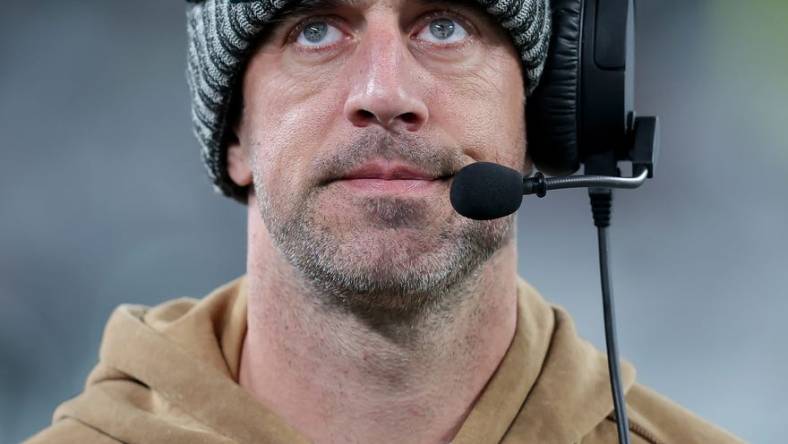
[389, 177]
[388, 171]
[389, 185]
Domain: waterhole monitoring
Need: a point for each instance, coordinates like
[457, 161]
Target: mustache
[439, 161]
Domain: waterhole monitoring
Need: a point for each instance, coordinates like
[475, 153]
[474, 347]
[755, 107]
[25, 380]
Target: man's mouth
[391, 177]
[388, 170]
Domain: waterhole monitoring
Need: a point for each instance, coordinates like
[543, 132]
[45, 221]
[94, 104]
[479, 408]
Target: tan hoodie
[168, 374]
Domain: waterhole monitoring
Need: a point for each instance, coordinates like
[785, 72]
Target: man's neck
[334, 378]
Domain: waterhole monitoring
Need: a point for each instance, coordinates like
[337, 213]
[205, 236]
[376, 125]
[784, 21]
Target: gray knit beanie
[222, 35]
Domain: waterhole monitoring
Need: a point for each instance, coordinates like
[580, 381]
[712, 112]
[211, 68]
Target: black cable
[601, 203]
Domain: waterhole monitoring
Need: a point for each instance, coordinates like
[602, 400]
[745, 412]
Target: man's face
[356, 115]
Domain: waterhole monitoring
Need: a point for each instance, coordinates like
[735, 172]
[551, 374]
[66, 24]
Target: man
[370, 312]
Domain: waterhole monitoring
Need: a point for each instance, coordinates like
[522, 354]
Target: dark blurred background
[103, 201]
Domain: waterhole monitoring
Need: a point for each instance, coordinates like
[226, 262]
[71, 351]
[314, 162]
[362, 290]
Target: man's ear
[238, 163]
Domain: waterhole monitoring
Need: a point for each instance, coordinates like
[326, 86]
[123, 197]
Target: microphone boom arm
[540, 185]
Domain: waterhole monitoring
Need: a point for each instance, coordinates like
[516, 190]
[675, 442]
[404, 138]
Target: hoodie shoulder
[151, 360]
[667, 421]
[654, 419]
[69, 431]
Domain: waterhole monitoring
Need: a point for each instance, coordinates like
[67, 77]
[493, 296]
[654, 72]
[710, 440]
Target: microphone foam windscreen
[485, 191]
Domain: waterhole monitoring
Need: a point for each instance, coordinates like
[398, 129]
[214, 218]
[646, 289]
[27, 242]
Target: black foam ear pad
[552, 111]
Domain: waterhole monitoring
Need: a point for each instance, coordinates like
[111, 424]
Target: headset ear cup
[552, 111]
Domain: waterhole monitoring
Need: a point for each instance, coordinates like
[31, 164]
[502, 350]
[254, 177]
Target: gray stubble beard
[384, 293]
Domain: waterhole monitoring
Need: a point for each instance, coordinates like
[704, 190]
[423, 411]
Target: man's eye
[443, 30]
[318, 33]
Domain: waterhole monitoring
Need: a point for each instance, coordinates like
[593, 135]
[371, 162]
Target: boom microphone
[484, 190]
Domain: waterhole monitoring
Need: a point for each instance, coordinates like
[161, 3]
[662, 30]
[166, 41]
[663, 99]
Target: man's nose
[384, 89]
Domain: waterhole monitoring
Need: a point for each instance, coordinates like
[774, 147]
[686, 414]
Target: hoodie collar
[192, 355]
[550, 387]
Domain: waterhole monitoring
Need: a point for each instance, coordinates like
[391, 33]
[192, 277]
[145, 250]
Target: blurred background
[103, 201]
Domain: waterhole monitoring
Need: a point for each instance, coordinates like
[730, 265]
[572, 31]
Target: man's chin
[391, 255]
[395, 255]
[382, 211]
[390, 293]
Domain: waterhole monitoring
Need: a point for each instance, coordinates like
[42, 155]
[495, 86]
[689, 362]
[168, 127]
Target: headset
[581, 113]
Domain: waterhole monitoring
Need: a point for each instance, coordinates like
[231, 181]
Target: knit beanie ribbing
[222, 33]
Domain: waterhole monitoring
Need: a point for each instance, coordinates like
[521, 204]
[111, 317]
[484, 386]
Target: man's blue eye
[443, 30]
[318, 33]
[314, 32]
